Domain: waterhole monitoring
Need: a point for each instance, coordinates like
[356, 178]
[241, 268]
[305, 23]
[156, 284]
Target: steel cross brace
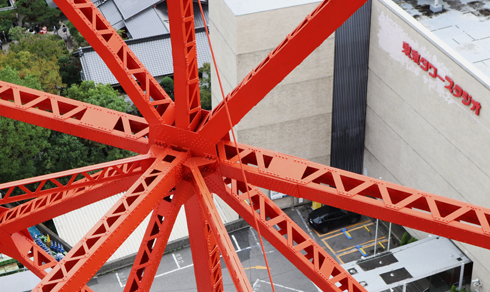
[156, 237]
[74, 117]
[289, 239]
[20, 246]
[184, 53]
[138, 83]
[88, 256]
[205, 249]
[357, 193]
[211, 213]
[73, 179]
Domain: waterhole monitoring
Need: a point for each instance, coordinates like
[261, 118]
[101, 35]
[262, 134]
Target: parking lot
[176, 270]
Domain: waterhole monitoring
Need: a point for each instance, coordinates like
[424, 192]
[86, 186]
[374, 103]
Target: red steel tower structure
[186, 157]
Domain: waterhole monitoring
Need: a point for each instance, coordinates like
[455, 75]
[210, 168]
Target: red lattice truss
[186, 156]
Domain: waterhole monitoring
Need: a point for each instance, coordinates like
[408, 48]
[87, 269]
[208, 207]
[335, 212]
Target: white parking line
[256, 241]
[304, 222]
[176, 262]
[237, 246]
[169, 272]
[284, 287]
[119, 280]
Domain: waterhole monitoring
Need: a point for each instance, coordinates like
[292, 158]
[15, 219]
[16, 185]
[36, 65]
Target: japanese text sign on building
[455, 89]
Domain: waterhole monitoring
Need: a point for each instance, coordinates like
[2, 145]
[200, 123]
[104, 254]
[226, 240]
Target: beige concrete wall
[295, 117]
[417, 133]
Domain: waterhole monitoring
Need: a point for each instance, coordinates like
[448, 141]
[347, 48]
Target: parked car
[327, 218]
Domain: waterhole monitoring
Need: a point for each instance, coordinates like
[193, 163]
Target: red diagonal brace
[122, 62]
[310, 34]
[21, 247]
[156, 237]
[184, 53]
[205, 249]
[74, 117]
[207, 205]
[73, 179]
[88, 256]
[357, 193]
[289, 239]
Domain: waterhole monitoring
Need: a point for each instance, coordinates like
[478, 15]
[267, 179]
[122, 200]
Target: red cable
[236, 147]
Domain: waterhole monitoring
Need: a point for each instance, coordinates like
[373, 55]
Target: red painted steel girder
[88, 256]
[178, 154]
[138, 83]
[184, 53]
[357, 193]
[300, 43]
[156, 237]
[20, 246]
[73, 179]
[74, 117]
[289, 239]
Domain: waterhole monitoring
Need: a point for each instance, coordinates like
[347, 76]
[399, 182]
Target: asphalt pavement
[176, 270]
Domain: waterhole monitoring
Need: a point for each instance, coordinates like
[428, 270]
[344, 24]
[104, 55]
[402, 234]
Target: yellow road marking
[382, 245]
[361, 244]
[337, 230]
[347, 230]
[367, 228]
[256, 268]
[355, 249]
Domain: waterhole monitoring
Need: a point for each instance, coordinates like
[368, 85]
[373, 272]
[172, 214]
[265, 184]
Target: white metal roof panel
[129, 8]
[138, 26]
[110, 12]
[421, 259]
[155, 54]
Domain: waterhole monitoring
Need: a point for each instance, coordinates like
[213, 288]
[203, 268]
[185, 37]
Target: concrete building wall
[417, 133]
[295, 117]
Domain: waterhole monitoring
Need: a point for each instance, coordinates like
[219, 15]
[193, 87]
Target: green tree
[36, 10]
[167, 84]
[205, 85]
[44, 70]
[76, 35]
[100, 94]
[43, 46]
[404, 239]
[22, 145]
[70, 68]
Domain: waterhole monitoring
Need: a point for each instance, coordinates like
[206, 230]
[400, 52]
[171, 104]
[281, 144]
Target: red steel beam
[357, 193]
[289, 239]
[73, 179]
[156, 237]
[300, 43]
[138, 83]
[88, 256]
[21, 247]
[46, 207]
[74, 117]
[205, 249]
[184, 53]
[219, 231]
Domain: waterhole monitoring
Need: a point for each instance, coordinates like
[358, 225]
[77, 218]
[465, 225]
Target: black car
[326, 218]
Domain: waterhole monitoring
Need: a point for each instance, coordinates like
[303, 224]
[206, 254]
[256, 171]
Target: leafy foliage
[45, 70]
[76, 35]
[19, 153]
[205, 85]
[167, 84]
[70, 68]
[43, 46]
[16, 33]
[100, 94]
[36, 10]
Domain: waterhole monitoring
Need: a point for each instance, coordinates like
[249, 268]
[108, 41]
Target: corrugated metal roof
[155, 54]
[139, 27]
[129, 8]
[74, 225]
[198, 16]
[110, 12]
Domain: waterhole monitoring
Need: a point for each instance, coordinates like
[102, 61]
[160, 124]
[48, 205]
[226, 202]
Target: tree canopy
[36, 10]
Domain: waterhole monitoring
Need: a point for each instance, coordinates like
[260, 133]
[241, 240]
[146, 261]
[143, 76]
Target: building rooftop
[407, 263]
[242, 7]
[462, 24]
